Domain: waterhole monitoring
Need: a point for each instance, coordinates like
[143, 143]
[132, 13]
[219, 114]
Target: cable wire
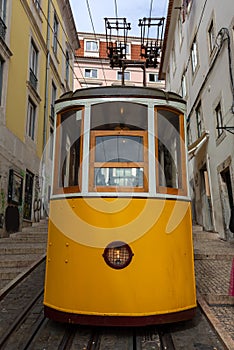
[91, 20]
[116, 10]
[59, 44]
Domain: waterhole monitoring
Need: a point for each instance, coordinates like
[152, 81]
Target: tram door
[206, 201]
[28, 195]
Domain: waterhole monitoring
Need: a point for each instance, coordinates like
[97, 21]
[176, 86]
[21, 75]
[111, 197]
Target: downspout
[45, 121]
[47, 76]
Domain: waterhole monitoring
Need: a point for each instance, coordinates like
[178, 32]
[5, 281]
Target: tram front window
[118, 152]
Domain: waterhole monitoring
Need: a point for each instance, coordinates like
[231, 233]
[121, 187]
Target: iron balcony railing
[3, 28]
[33, 79]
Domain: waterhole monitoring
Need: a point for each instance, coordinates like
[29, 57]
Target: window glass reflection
[169, 149]
[122, 177]
[70, 130]
[119, 148]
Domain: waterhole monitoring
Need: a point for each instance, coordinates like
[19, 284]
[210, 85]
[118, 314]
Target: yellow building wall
[18, 75]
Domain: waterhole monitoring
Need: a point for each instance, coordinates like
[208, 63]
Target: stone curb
[222, 333]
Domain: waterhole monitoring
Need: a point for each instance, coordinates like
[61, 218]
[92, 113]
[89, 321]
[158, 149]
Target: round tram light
[118, 255]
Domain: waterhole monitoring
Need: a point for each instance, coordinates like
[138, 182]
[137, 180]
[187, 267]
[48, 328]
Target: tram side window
[170, 152]
[68, 146]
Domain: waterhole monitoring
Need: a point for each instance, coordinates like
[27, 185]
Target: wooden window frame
[126, 165]
[172, 190]
[70, 189]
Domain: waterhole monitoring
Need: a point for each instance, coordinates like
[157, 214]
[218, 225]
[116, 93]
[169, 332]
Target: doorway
[227, 201]
[207, 216]
[28, 196]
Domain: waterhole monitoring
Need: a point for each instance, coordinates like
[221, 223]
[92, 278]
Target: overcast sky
[133, 10]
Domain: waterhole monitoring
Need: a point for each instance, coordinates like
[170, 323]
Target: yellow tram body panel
[159, 279]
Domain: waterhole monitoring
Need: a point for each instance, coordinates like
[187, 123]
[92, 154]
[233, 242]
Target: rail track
[23, 326]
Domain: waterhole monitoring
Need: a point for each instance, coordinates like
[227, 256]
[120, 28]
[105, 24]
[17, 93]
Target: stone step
[3, 283]
[9, 273]
[34, 230]
[205, 235]
[26, 248]
[18, 260]
[197, 228]
[32, 238]
[20, 250]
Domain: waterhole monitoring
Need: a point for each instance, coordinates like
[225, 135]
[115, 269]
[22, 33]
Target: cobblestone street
[213, 264]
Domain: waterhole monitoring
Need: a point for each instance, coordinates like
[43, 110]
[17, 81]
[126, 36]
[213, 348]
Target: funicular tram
[120, 235]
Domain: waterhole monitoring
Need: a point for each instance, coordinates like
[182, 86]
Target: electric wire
[70, 46]
[91, 20]
[151, 6]
[59, 44]
[116, 9]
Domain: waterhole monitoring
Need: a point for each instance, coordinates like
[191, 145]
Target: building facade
[197, 62]
[92, 65]
[38, 39]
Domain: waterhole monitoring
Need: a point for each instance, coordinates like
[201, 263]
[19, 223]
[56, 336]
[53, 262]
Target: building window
[219, 120]
[1, 77]
[180, 29]
[31, 119]
[211, 37]
[199, 120]
[55, 34]
[194, 55]
[37, 4]
[173, 60]
[126, 75]
[67, 66]
[33, 65]
[53, 98]
[183, 85]
[186, 8]
[91, 45]
[153, 77]
[189, 134]
[3, 19]
[51, 143]
[90, 73]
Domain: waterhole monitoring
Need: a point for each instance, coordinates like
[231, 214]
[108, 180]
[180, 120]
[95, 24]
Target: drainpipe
[45, 122]
[47, 76]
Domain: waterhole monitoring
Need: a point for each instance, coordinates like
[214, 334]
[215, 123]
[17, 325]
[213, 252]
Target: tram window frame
[58, 188]
[181, 189]
[118, 165]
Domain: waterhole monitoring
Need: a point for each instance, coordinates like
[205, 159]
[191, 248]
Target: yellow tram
[120, 237]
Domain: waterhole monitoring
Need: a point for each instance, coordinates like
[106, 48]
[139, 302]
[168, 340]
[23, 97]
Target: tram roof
[121, 91]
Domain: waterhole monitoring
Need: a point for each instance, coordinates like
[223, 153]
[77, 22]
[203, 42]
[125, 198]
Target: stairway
[21, 250]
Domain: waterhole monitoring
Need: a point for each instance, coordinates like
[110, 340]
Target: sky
[132, 10]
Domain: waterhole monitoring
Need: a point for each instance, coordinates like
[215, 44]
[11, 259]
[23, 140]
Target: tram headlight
[118, 255]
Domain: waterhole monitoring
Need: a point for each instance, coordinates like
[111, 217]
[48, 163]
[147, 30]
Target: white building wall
[209, 85]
